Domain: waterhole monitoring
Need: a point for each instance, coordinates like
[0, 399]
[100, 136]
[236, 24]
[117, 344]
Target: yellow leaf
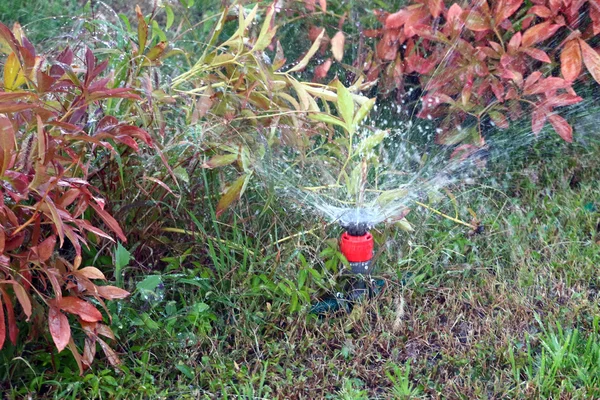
[13, 73]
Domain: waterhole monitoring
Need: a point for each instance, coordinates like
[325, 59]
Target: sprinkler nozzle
[357, 221]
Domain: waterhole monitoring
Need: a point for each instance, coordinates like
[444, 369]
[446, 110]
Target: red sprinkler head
[357, 249]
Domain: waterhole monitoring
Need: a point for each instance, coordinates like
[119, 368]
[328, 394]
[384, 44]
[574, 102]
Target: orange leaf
[337, 45]
[396, 20]
[323, 4]
[322, 69]
[92, 273]
[23, 299]
[539, 33]
[59, 328]
[570, 60]
[475, 21]
[112, 292]
[505, 9]
[562, 127]
[591, 60]
[74, 305]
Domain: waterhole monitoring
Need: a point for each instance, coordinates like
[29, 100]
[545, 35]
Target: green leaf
[353, 183]
[405, 225]
[328, 119]
[149, 322]
[391, 195]
[150, 283]
[266, 33]
[170, 16]
[122, 258]
[363, 111]
[345, 104]
[181, 173]
[370, 142]
[187, 371]
[220, 160]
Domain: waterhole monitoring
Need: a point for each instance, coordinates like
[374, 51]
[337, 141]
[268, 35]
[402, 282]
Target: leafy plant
[48, 141]
[487, 61]
[241, 92]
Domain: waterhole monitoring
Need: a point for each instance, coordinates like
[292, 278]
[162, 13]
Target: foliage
[486, 61]
[48, 141]
[240, 91]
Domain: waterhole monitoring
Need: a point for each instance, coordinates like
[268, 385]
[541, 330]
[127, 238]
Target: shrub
[244, 89]
[52, 121]
[486, 61]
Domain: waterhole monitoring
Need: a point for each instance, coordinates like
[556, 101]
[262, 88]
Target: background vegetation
[221, 272]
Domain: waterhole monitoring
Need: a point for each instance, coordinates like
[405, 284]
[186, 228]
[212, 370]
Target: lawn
[491, 291]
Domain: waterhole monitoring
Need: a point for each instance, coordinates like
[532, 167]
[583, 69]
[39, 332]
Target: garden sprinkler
[356, 244]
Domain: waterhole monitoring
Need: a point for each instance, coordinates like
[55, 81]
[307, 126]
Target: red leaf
[109, 221]
[563, 99]
[505, 9]
[135, 132]
[539, 33]
[595, 17]
[321, 70]
[387, 47]
[74, 305]
[562, 127]
[112, 292]
[45, 249]
[540, 11]
[547, 85]
[570, 60]
[2, 325]
[537, 54]
[13, 331]
[538, 119]
[59, 328]
[435, 7]
[591, 60]
[515, 42]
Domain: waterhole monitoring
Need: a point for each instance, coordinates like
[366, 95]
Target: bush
[485, 61]
[52, 120]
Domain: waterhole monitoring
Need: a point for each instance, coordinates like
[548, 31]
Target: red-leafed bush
[494, 59]
[48, 109]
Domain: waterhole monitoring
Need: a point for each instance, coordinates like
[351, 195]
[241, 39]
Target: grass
[220, 308]
[508, 313]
